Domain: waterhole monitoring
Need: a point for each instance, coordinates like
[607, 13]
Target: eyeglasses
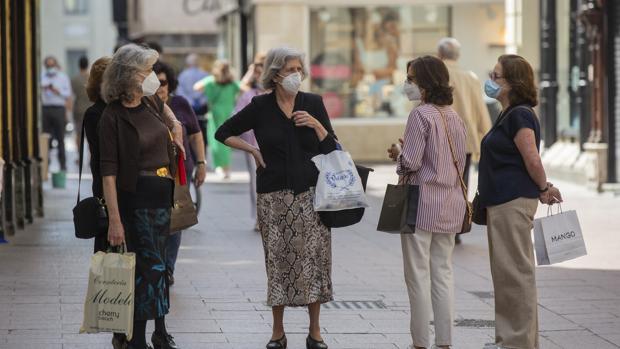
[494, 76]
[163, 82]
[258, 65]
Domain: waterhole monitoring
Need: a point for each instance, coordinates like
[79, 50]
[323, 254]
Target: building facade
[74, 28]
[580, 106]
[357, 51]
[21, 196]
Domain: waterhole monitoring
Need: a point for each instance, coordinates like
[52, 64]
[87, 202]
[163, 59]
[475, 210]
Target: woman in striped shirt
[425, 159]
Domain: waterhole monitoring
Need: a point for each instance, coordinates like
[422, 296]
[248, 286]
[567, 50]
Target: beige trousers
[511, 253]
[427, 261]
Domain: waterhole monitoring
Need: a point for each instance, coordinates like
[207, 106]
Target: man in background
[55, 93]
[188, 77]
[468, 102]
[80, 99]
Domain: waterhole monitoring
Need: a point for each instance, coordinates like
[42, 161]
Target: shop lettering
[195, 7]
[563, 236]
[102, 298]
[108, 315]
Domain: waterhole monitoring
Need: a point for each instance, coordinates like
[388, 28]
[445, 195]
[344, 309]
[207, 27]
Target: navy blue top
[503, 176]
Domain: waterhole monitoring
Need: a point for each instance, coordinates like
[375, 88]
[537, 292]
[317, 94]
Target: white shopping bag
[109, 301]
[558, 238]
[339, 186]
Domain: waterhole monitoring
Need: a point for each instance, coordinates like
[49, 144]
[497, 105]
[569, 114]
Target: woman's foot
[279, 343]
[163, 341]
[312, 343]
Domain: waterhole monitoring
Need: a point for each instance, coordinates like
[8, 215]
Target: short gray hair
[120, 79]
[449, 48]
[276, 60]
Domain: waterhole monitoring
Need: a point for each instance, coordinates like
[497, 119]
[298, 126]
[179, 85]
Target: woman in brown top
[137, 166]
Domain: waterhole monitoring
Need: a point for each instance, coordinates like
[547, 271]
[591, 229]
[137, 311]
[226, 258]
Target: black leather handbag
[90, 216]
[345, 218]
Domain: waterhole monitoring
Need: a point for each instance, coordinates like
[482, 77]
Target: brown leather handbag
[183, 210]
[467, 220]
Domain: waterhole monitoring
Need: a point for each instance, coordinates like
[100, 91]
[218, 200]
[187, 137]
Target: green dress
[221, 100]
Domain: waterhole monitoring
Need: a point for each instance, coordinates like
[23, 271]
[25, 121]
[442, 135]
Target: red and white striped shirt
[427, 160]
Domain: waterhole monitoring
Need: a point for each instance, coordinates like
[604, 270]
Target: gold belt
[160, 172]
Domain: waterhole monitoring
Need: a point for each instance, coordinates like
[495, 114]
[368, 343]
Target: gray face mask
[291, 83]
[412, 91]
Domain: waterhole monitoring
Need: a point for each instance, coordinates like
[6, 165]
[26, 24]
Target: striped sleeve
[416, 134]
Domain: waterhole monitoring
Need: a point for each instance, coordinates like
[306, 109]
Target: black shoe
[119, 342]
[163, 341]
[147, 347]
[314, 344]
[457, 239]
[278, 343]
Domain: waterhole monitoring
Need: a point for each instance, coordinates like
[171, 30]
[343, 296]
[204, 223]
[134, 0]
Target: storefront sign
[197, 7]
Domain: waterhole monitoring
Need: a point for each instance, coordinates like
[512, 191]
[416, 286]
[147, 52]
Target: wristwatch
[545, 189]
[201, 162]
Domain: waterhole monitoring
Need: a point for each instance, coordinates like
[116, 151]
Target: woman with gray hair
[290, 128]
[138, 166]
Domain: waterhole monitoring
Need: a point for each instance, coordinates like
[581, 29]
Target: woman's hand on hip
[258, 158]
[116, 233]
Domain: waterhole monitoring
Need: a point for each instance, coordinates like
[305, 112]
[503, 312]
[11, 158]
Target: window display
[358, 55]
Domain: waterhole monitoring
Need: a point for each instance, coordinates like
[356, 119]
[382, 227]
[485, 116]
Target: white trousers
[427, 259]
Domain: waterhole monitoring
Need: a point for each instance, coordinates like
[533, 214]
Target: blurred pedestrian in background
[80, 98]
[55, 95]
[511, 182]
[187, 78]
[468, 102]
[221, 90]
[434, 139]
[193, 143]
[256, 88]
[290, 127]
[138, 166]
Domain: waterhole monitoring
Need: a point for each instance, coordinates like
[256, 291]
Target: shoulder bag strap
[456, 164]
[81, 161]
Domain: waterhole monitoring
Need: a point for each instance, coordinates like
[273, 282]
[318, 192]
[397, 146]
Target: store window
[358, 55]
[76, 7]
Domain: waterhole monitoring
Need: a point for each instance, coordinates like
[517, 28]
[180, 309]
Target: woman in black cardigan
[290, 127]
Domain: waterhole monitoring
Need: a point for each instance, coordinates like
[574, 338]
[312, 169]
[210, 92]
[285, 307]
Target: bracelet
[544, 190]
[201, 162]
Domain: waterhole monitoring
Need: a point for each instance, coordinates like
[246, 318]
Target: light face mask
[51, 71]
[150, 84]
[491, 88]
[291, 83]
[412, 91]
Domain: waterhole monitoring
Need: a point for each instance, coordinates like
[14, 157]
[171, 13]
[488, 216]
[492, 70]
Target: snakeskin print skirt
[297, 246]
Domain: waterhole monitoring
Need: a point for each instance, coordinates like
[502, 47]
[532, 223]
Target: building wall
[481, 43]
[93, 32]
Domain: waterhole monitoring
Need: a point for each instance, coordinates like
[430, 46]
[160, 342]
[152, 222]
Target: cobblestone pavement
[218, 298]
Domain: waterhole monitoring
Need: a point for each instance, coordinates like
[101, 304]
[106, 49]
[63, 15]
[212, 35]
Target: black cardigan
[91, 122]
[286, 148]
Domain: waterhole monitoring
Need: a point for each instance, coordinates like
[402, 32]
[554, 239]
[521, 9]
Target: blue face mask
[491, 88]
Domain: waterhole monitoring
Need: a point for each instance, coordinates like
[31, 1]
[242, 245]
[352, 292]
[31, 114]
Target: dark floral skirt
[146, 229]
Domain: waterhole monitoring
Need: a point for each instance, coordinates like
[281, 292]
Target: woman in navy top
[511, 182]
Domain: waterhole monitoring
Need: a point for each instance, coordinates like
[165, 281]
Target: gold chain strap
[456, 164]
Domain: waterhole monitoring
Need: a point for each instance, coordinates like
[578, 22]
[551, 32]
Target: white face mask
[291, 83]
[150, 84]
[412, 91]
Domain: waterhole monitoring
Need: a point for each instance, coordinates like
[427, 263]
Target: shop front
[357, 54]
[21, 196]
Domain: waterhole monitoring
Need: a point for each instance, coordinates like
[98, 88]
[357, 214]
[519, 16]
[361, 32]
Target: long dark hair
[431, 75]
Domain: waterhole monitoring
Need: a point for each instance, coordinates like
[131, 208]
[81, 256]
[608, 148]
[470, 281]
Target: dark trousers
[54, 121]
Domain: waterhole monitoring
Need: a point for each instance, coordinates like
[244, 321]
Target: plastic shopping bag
[339, 186]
